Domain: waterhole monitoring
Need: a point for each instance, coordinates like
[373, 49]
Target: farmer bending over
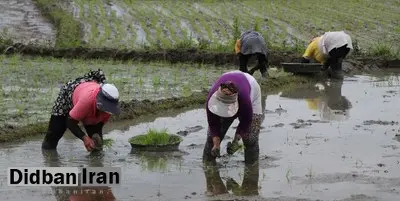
[251, 43]
[329, 49]
[234, 95]
[86, 99]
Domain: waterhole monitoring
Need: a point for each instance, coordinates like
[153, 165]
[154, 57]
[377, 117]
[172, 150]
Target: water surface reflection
[95, 159]
[326, 98]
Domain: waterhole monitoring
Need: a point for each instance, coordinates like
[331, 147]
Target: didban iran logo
[64, 176]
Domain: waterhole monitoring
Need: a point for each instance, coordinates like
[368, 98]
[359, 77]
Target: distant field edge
[134, 109]
[191, 55]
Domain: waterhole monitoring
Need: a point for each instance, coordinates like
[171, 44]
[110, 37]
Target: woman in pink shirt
[86, 99]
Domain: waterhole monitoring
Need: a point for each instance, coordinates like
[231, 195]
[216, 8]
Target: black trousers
[57, 128]
[250, 141]
[336, 57]
[262, 63]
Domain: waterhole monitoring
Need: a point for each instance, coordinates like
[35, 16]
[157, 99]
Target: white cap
[108, 98]
[111, 90]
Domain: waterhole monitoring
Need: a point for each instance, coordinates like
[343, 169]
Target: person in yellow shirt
[329, 49]
[251, 43]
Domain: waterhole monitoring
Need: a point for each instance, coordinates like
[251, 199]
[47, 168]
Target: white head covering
[335, 39]
[223, 105]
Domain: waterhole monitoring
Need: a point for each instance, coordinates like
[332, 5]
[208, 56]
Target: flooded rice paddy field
[128, 24]
[30, 86]
[22, 21]
[336, 141]
[135, 24]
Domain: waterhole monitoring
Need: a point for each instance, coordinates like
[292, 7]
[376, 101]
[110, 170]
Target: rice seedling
[155, 137]
[108, 142]
[288, 174]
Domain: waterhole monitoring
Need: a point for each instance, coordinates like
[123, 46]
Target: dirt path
[23, 22]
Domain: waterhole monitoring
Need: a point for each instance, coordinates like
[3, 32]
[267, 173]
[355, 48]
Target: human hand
[215, 151]
[89, 143]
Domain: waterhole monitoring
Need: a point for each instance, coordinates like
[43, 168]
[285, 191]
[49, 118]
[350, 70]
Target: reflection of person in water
[332, 104]
[216, 186]
[51, 158]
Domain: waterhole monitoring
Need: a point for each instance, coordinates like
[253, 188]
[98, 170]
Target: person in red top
[87, 99]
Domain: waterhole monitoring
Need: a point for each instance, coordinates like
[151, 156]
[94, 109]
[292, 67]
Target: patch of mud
[261, 127]
[265, 161]
[278, 125]
[392, 92]
[189, 130]
[279, 111]
[305, 123]
[195, 146]
[379, 122]
[22, 21]
[393, 147]
[384, 184]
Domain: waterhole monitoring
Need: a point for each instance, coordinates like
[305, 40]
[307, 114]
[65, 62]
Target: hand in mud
[215, 151]
[89, 143]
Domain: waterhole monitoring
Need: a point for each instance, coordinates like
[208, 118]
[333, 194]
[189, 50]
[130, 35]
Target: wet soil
[22, 21]
[323, 161]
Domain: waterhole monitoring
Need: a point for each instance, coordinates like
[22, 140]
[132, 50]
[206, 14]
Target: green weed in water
[108, 143]
[154, 137]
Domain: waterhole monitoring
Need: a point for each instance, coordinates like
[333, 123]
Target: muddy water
[22, 20]
[332, 142]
